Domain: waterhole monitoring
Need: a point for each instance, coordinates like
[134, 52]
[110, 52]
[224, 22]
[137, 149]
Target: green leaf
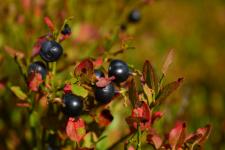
[79, 90]
[18, 92]
[73, 80]
[168, 89]
[149, 76]
[34, 119]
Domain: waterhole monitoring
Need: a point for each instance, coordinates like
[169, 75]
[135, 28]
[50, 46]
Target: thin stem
[139, 138]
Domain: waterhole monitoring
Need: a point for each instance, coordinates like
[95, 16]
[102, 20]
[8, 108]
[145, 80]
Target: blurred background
[195, 29]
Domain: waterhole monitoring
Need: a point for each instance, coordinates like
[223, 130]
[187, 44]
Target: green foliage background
[194, 28]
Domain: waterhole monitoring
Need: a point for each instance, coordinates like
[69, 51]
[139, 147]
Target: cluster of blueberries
[118, 69]
[51, 51]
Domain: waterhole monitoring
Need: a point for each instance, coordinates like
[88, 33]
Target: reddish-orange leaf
[84, 67]
[64, 37]
[13, 52]
[67, 88]
[23, 104]
[75, 129]
[37, 45]
[49, 23]
[103, 82]
[177, 135]
[205, 131]
[98, 62]
[154, 139]
[156, 115]
[35, 81]
[87, 32]
[105, 118]
[141, 114]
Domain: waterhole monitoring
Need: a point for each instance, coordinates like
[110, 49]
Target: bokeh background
[195, 29]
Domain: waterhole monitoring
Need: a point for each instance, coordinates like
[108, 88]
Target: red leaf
[205, 131]
[193, 137]
[98, 62]
[23, 104]
[156, 115]
[103, 82]
[105, 118]
[64, 37]
[38, 43]
[177, 135]
[75, 129]
[35, 81]
[26, 4]
[131, 147]
[84, 67]
[2, 86]
[13, 52]
[140, 115]
[86, 33]
[154, 139]
[168, 89]
[67, 88]
[49, 23]
[198, 137]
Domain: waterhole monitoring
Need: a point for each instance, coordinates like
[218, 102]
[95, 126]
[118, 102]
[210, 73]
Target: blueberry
[51, 51]
[119, 70]
[99, 74]
[38, 67]
[104, 94]
[134, 16]
[73, 105]
[66, 30]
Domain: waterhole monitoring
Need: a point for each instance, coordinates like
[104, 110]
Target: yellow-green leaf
[79, 90]
[34, 119]
[18, 92]
[149, 93]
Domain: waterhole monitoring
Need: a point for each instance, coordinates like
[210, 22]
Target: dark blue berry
[51, 51]
[73, 105]
[134, 16]
[66, 30]
[119, 70]
[99, 74]
[104, 94]
[38, 67]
